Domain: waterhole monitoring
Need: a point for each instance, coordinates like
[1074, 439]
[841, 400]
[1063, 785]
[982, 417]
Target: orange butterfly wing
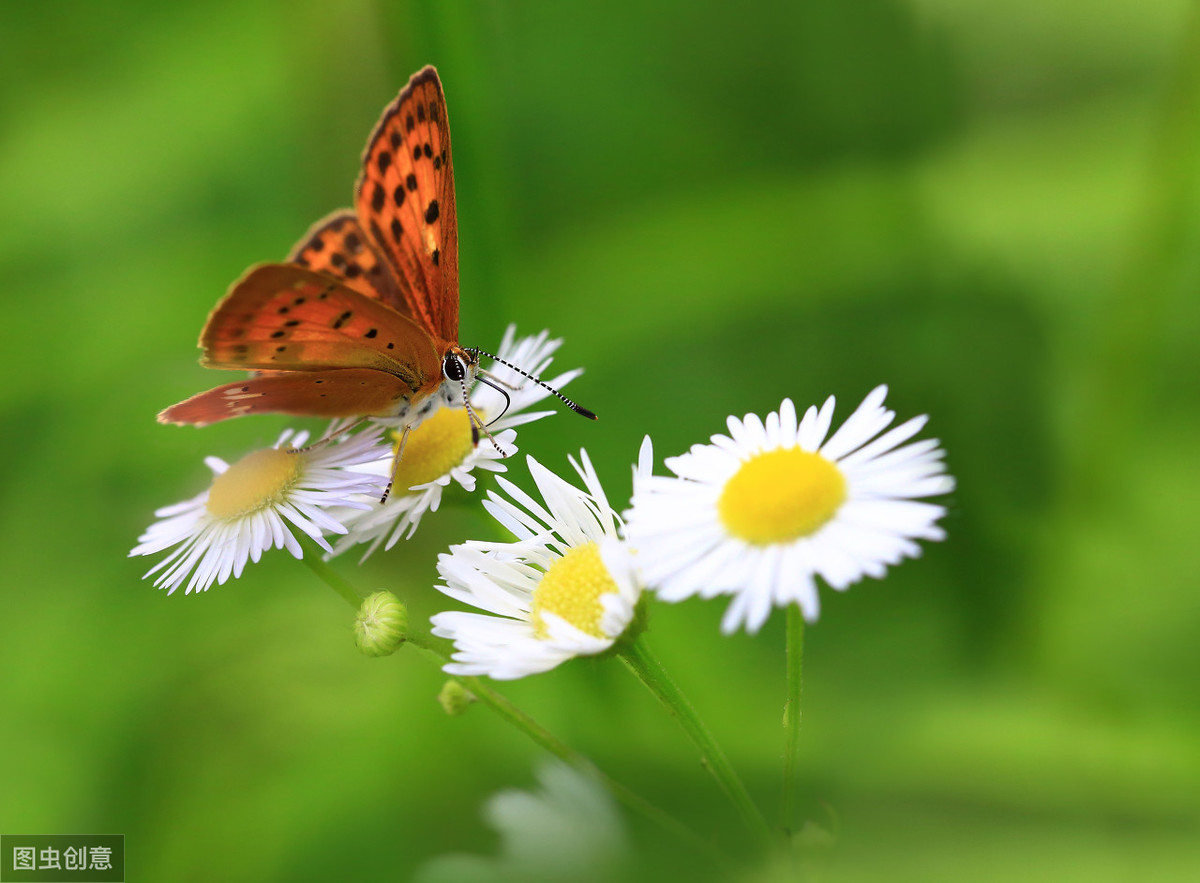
[336, 245]
[405, 202]
[344, 392]
[293, 322]
[365, 313]
[285, 317]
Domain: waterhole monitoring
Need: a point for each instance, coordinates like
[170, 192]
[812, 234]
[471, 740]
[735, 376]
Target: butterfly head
[459, 366]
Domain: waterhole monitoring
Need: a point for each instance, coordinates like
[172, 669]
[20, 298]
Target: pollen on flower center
[257, 481]
[440, 443]
[781, 495]
[571, 588]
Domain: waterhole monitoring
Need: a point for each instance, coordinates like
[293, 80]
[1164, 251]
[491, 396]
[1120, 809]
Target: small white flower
[760, 513]
[252, 506]
[568, 829]
[565, 588]
[443, 448]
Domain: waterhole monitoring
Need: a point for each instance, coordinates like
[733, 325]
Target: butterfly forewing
[285, 317]
[405, 202]
[336, 245]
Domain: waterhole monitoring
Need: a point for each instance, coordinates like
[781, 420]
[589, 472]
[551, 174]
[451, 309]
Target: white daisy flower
[567, 829]
[443, 449]
[252, 506]
[565, 588]
[760, 513]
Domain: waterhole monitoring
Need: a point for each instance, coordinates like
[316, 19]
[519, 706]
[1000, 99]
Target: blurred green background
[993, 208]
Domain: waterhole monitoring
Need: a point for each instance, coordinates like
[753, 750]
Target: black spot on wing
[376, 232]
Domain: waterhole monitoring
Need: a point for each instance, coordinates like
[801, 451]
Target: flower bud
[380, 625]
[454, 698]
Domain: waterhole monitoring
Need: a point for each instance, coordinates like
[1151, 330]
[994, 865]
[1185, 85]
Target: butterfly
[362, 320]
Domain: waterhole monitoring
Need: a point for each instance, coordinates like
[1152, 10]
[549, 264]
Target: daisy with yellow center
[564, 588]
[762, 512]
[254, 505]
[442, 449]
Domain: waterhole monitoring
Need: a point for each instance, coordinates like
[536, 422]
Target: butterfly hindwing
[336, 245]
[348, 392]
[405, 201]
[285, 317]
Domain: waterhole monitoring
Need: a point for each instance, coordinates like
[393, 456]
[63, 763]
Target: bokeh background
[993, 208]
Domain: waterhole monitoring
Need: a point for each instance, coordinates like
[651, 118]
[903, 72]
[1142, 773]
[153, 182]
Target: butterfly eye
[454, 367]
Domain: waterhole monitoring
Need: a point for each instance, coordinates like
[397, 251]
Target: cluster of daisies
[758, 514]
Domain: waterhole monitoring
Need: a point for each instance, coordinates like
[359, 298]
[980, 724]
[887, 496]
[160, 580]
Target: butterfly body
[363, 319]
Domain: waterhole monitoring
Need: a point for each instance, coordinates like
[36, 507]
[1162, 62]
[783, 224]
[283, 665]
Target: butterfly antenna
[486, 379]
[578, 409]
[395, 466]
[476, 422]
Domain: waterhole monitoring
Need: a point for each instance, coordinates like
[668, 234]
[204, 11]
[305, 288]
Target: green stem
[424, 645]
[504, 707]
[646, 667]
[791, 712]
[312, 559]
[1120, 386]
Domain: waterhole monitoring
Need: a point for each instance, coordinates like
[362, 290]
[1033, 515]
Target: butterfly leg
[515, 387]
[395, 466]
[477, 424]
[335, 432]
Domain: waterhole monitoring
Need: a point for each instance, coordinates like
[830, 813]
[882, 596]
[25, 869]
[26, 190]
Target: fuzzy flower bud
[454, 698]
[380, 625]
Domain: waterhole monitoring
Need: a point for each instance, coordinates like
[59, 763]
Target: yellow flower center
[781, 495]
[571, 588]
[440, 443]
[257, 481]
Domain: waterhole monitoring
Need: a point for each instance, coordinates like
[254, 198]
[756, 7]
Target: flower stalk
[428, 648]
[646, 668]
[791, 714]
[331, 577]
